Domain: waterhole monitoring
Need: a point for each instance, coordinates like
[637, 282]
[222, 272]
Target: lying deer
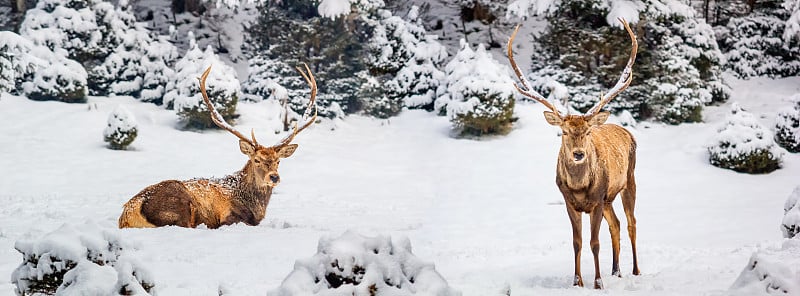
[595, 163]
[240, 197]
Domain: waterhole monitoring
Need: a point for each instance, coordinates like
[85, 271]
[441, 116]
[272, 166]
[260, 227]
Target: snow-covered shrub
[742, 144]
[787, 127]
[355, 265]
[121, 129]
[480, 94]
[790, 226]
[183, 93]
[771, 271]
[79, 260]
[41, 74]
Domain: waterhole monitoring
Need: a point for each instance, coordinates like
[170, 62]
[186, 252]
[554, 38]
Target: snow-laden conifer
[120, 129]
[480, 93]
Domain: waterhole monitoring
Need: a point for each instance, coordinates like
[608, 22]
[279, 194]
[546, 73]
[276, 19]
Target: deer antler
[309, 77]
[527, 91]
[217, 118]
[624, 79]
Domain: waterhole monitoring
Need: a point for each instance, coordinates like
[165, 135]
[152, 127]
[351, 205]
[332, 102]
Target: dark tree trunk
[705, 10]
[178, 6]
[18, 6]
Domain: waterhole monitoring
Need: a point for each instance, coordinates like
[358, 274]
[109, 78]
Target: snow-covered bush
[480, 94]
[771, 271]
[183, 93]
[121, 129]
[41, 74]
[742, 144]
[787, 127]
[79, 260]
[790, 226]
[355, 265]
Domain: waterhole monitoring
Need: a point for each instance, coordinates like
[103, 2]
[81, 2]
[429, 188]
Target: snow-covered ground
[486, 212]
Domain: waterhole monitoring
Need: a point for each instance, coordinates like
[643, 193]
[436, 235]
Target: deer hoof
[598, 283]
[578, 281]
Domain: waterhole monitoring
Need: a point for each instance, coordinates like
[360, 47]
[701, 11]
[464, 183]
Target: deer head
[576, 128]
[262, 166]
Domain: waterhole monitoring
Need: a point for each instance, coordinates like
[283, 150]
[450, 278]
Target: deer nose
[578, 155]
[274, 178]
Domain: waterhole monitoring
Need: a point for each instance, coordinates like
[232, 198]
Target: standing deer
[595, 163]
[240, 197]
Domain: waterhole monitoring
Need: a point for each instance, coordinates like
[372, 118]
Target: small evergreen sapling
[184, 95]
[787, 127]
[744, 145]
[121, 129]
[480, 94]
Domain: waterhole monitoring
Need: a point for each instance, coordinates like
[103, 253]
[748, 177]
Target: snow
[486, 212]
[790, 226]
[352, 264]
[334, 8]
[745, 135]
[771, 271]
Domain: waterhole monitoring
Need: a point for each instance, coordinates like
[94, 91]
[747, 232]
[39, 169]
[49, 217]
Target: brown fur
[591, 185]
[241, 197]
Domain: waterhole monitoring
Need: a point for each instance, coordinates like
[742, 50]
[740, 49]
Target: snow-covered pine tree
[763, 42]
[480, 94]
[790, 224]
[105, 39]
[121, 129]
[41, 74]
[787, 126]
[159, 58]
[6, 70]
[183, 93]
[742, 144]
[328, 37]
[408, 58]
[677, 69]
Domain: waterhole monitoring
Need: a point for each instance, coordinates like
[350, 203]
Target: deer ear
[552, 118]
[599, 118]
[246, 148]
[287, 150]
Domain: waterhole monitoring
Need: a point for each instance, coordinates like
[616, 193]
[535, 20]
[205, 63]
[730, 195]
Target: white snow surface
[772, 271]
[380, 263]
[486, 212]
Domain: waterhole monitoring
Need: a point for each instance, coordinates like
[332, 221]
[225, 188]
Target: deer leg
[596, 218]
[628, 203]
[613, 227]
[575, 220]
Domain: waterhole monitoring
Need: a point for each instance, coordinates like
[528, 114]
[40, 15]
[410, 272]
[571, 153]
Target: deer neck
[250, 197]
[578, 176]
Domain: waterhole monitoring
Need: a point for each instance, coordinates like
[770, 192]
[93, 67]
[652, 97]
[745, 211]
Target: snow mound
[363, 266]
[790, 226]
[80, 259]
[771, 272]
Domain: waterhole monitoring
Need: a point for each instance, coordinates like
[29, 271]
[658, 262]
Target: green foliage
[677, 69]
[760, 161]
[481, 121]
[197, 116]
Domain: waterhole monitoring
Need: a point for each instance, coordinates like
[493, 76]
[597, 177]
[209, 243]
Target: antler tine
[624, 79]
[215, 116]
[528, 91]
[312, 103]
